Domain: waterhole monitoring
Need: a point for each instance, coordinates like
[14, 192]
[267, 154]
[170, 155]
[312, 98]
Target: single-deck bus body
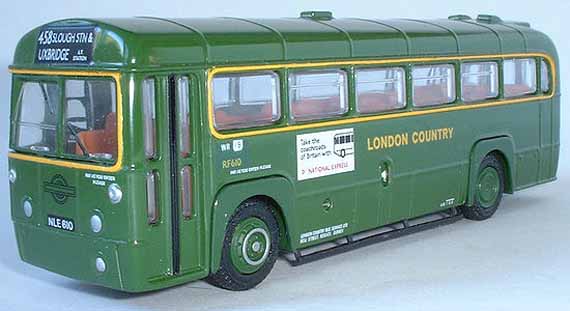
[149, 152]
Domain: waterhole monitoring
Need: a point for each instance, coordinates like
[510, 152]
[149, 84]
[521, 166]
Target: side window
[379, 90]
[433, 85]
[544, 77]
[317, 94]
[479, 81]
[149, 117]
[519, 77]
[246, 100]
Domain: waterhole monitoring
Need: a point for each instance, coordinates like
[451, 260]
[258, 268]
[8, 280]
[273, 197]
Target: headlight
[12, 176]
[28, 208]
[96, 223]
[115, 193]
[100, 264]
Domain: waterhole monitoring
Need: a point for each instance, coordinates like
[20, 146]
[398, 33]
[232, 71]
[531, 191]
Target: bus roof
[152, 42]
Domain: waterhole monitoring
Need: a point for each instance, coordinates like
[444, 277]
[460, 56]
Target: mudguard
[505, 146]
[229, 198]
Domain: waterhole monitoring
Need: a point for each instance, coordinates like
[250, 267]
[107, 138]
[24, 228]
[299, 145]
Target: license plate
[60, 223]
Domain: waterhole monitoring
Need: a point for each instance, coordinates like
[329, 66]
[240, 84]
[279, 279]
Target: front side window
[246, 100]
[379, 90]
[91, 118]
[433, 85]
[317, 94]
[38, 116]
[519, 77]
[479, 81]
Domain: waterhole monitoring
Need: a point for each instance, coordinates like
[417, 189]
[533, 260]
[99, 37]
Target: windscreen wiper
[77, 139]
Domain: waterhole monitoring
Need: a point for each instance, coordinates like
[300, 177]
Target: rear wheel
[489, 188]
[251, 247]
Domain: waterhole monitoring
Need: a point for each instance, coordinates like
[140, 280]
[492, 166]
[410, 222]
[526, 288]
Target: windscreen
[37, 120]
[73, 118]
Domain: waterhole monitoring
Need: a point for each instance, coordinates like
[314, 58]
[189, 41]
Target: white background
[519, 260]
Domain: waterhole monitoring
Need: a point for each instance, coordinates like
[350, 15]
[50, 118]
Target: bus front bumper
[78, 256]
[93, 260]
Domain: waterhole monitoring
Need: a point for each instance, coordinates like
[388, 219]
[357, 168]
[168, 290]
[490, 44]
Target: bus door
[183, 96]
[174, 165]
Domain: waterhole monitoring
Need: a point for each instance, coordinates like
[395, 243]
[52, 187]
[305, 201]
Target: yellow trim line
[359, 119]
[109, 169]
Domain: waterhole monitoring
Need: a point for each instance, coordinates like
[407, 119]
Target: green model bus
[149, 152]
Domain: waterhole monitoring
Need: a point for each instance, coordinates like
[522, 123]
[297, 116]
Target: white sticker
[250, 169]
[325, 153]
[225, 147]
[323, 233]
[238, 145]
[98, 179]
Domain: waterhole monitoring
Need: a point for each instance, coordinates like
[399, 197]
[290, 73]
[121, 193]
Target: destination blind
[65, 45]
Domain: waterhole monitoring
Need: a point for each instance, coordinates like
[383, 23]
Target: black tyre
[251, 247]
[489, 188]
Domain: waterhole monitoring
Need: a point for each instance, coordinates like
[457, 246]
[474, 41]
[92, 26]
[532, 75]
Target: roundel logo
[59, 189]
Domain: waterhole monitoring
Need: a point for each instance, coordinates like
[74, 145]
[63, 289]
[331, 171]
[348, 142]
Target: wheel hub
[256, 246]
[250, 245]
[488, 186]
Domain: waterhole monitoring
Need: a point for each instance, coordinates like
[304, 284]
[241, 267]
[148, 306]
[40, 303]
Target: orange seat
[226, 120]
[517, 89]
[430, 94]
[102, 140]
[377, 102]
[315, 107]
[475, 92]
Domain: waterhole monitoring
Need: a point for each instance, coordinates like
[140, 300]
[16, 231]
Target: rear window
[246, 100]
[317, 94]
[433, 85]
[519, 76]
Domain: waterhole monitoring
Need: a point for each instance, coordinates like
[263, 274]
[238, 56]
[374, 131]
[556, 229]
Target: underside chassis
[385, 233]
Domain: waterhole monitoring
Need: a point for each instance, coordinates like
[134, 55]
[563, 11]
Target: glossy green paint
[422, 177]
[149, 42]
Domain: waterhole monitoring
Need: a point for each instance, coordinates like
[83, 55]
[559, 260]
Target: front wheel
[251, 247]
[489, 189]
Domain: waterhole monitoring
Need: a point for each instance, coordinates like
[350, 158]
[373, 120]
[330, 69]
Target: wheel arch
[503, 148]
[276, 191]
